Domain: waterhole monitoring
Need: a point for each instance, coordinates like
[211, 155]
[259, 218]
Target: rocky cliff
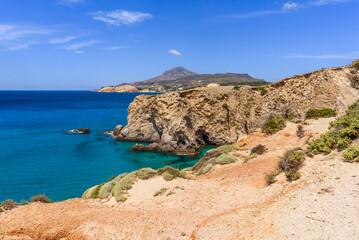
[122, 88]
[183, 121]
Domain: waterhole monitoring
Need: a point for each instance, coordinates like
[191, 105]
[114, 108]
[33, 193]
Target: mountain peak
[171, 74]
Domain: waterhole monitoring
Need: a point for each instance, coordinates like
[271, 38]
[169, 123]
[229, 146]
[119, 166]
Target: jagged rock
[123, 88]
[81, 130]
[183, 121]
[117, 130]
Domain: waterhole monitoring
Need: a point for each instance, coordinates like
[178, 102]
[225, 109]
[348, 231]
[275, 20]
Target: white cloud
[62, 40]
[70, 3]
[326, 2]
[79, 45]
[79, 52]
[352, 55]
[174, 52]
[289, 6]
[115, 48]
[121, 17]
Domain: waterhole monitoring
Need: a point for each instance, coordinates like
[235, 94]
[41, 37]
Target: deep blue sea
[39, 156]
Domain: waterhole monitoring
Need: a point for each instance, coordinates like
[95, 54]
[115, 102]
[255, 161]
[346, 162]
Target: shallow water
[39, 156]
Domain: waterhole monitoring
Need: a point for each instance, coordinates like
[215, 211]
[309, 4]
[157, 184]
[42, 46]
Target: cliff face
[183, 121]
[123, 88]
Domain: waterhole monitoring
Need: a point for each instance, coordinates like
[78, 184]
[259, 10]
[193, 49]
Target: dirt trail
[229, 202]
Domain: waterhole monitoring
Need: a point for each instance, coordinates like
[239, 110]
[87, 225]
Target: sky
[87, 44]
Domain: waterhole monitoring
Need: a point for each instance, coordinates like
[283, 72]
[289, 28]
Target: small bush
[225, 105]
[225, 159]
[170, 193]
[145, 173]
[168, 173]
[205, 169]
[106, 189]
[168, 176]
[40, 198]
[300, 131]
[291, 162]
[352, 154]
[274, 125]
[259, 149]
[264, 91]
[270, 178]
[354, 82]
[236, 87]
[124, 184]
[8, 205]
[320, 113]
[96, 191]
[160, 192]
[225, 149]
[355, 64]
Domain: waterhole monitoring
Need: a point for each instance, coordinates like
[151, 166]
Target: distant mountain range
[180, 78]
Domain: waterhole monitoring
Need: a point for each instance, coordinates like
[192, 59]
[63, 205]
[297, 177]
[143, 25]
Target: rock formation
[123, 88]
[183, 121]
[81, 130]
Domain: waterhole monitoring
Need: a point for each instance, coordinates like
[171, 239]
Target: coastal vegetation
[343, 131]
[41, 198]
[119, 186]
[320, 113]
[352, 154]
[274, 125]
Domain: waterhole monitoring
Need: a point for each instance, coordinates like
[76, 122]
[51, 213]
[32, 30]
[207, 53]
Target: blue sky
[86, 44]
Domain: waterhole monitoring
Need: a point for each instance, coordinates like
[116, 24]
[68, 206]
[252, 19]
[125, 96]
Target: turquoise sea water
[39, 156]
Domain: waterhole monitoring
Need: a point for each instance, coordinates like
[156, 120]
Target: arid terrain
[229, 202]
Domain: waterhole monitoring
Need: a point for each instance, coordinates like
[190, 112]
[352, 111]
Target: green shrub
[8, 205]
[169, 173]
[291, 162]
[263, 90]
[355, 64]
[88, 192]
[320, 113]
[225, 159]
[270, 178]
[352, 154]
[40, 198]
[96, 191]
[145, 173]
[122, 186]
[225, 149]
[343, 131]
[225, 105]
[236, 87]
[168, 176]
[274, 125]
[106, 189]
[205, 169]
[160, 192]
[300, 131]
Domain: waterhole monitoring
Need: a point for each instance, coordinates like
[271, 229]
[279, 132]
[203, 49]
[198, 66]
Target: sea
[38, 154]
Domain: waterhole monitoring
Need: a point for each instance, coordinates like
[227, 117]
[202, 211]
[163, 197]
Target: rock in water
[81, 130]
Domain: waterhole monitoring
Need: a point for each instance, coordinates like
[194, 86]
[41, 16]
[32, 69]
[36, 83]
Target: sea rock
[81, 130]
[183, 121]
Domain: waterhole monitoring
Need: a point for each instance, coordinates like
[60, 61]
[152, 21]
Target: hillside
[184, 121]
[179, 78]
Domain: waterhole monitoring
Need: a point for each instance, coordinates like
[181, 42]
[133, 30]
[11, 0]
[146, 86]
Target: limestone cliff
[123, 88]
[183, 121]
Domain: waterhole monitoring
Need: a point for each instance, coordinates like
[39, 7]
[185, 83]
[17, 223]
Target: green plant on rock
[352, 154]
[225, 159]
[106, 189]
[145, 173]
[160, 192]
[225, 105]
[40, 198]
[342, 132]
[169, 173]
[320, 113]
[95, 192]
[355, 64]
[264, 91]
[8, 205]
[274, 125]
[270, 177]
[205, 169]
[291, 162]
[225, 149]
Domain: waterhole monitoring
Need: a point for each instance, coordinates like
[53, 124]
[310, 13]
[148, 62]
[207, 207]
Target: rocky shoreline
[184, 121]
